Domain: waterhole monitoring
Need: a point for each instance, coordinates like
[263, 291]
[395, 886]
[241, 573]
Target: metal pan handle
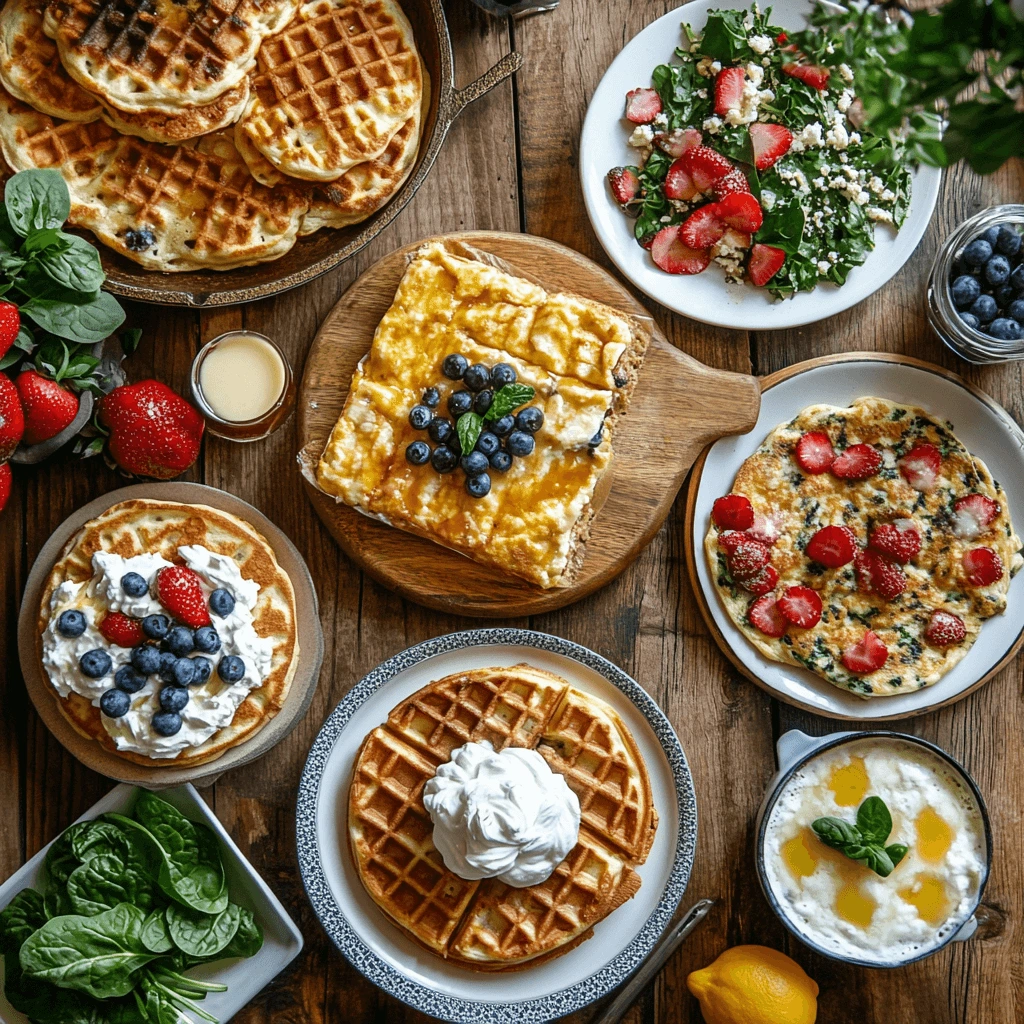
[506, 67]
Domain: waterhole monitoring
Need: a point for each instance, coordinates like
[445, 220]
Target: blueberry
[71, 623]
[473, 463]
[454, 366]
[166, 669]
[477, 377]
[991, 235]
[1007, 241]
[156, 626]
[501, 461]
[1006, 329]
[133, 584]
[231, 668]
[503, 374]
[488, 443]
[115, 703]
[483, 400]
[202, 669]
[443, 459]
[504, 426]
[222, 602]
[184, 672]
[129, 679]
[95, 664]
[519, 443]
[595, 441]
[984, 308]
[440, 429]
[460, 402]
[478, 486]
[1004, 295]
[997, 270]
[1016, 310]
[173, 698]
[418, 453]
[431, 398]
[1017, 278]
[207, 640]
[167, 723]
[138, 240]
[971, 320]
[977, 253]
[420, 417]
[964, 290]
[530, 419]
[146, 658]
[179, 641]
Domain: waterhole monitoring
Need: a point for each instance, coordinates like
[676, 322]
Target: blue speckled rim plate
[366, 938]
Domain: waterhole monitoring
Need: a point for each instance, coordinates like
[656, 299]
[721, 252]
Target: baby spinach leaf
[98, 885]
[202, 935]
[55, 900]
[93, 318]
[93, 838]
[248, 940]
[20, 918]
[36, 199]
[96, 955]
[74, 263]
[725, 37]
[155, 934]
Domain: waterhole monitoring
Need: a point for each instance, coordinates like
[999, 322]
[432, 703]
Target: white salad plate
[978, 421]
[385, 954]
[282, 940]
[706, 296]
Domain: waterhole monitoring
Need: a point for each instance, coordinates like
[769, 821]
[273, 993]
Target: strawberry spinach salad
[752, 153]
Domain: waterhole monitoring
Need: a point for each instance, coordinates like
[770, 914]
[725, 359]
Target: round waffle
[333, 87]
[133, 527]
[488, 925]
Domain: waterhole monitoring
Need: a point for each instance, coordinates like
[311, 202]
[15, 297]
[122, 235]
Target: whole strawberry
[10, 324]
[12, 419]
[48, 407]
[5, 484]
[153, 431]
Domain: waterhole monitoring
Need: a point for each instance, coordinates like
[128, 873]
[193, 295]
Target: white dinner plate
[706, 296]
[978, 421]
[385, 954]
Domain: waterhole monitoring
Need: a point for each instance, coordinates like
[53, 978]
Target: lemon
[755, 985]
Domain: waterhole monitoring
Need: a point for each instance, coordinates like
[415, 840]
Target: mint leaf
[470, 425]
[874, 820]
[507, 398]
[35, 200]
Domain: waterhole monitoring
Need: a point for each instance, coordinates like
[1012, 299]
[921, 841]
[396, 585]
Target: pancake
[135, 527]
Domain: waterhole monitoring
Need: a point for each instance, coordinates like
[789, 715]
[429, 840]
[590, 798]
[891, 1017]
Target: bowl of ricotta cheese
[873, 848]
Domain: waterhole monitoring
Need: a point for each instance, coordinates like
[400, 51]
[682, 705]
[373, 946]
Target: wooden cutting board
[679, 406]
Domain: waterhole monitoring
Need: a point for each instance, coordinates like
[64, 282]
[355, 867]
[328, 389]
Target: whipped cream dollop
[502, 815]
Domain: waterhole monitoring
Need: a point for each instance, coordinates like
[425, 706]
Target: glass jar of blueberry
[976, 288]
[476, 419]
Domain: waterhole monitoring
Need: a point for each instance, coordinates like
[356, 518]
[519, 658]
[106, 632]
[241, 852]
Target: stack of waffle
[210, 134]
[489, 925]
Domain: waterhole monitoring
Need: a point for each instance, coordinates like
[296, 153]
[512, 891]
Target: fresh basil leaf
[507, 398]
[20, 918]
[836, 832]
[874, 820]
[91, 320]
[36, 199]
[202, 935]
[896, 852]
[469, 426]
[879, 861]
[74, 264]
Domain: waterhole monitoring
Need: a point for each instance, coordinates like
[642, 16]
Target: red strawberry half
[674, 256]
[678, 183]
[876, 574]
[734, 181]
[920, 467]
[972, 514]
[733, 512]
[729, 90]
[761, 582]
[5, 484]
[12, 419]
[121, 630]
[10, 324]
[706, 165]
[179, 592]
[899, 541]
[945, 629]
[810, 74]
[765, 616]
[625, 185]
[765, 262]
[858, 462]
[832, 546]
[642, 105]
[740, 210]
[678, 141]
[801, 606]
[982, 566]
[703, 227]
[48, 407]
[867, 656]
[814, 453]
[770, 141]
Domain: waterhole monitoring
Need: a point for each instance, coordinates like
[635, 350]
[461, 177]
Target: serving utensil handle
[507, 66]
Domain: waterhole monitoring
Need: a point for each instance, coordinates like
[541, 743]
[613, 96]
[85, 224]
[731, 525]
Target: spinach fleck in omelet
[790, 505]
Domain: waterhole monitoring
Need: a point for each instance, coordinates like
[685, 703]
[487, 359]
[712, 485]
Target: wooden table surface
[511, 164]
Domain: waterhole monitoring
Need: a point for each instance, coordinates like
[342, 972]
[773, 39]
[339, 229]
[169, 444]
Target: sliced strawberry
[678, 141]
[702, 228]
[706, 165]
[740, 210]
[920, 466]
[982, 566]
[765, 615]
[973, 513]
[674, 257]
[764, 529]
[625, 185]
[729, 90]
[858, 462]
[761, 582]
[876, 574]
[734, 181]
[945, 629]
[748, 558]
[642, 105]
[678, 183]
[730, 540]
[801, 606]
[814, 453]
[121, 630]
[770, 142]
[179, 592]
[733, 512]
[898, 541]
[864, 569]
[832, 546]
[867, 656]
[813, 75]
[765, 262]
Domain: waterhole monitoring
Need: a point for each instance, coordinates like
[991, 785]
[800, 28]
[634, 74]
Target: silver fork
[516, 8]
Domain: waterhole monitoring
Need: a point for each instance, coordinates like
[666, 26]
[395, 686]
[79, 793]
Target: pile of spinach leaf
[128, 904]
